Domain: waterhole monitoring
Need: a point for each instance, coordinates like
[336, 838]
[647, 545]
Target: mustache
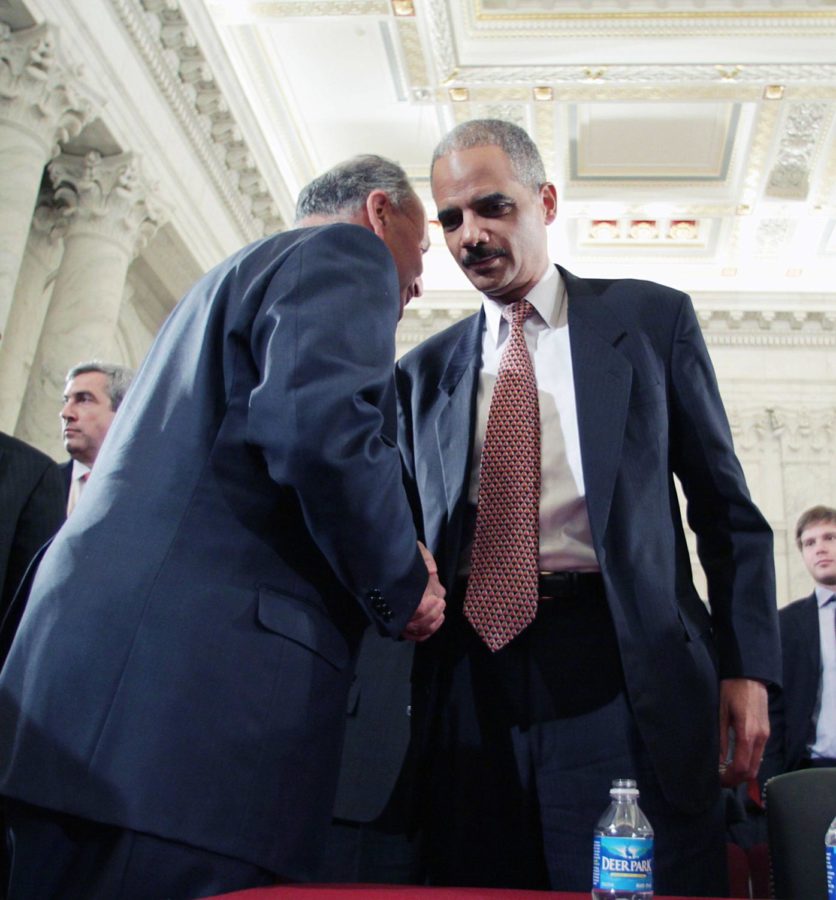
[480, 253]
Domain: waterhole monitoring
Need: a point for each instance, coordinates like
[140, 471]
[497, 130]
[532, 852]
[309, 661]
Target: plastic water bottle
[622, 859]
[830, 851]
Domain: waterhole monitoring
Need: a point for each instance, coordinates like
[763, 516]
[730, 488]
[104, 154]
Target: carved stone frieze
[772, 235]
[169, 48]
[769, 328]
[757, 74]
[441, 40]
[803, 432]
[555, 18]
[804, 128]
[306, 8]
[107, 196]
[721, 327]
[38, 92]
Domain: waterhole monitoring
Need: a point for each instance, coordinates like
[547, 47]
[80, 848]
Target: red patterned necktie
[501, 598]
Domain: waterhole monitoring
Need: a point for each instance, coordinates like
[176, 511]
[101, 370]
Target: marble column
[40, 105]
[112, 213]
[31, 299]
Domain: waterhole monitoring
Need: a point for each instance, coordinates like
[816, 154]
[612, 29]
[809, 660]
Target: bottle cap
[624, 787]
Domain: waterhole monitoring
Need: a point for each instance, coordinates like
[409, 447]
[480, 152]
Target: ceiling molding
[170, 51]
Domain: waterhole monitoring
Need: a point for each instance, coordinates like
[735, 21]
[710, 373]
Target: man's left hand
[744, 710]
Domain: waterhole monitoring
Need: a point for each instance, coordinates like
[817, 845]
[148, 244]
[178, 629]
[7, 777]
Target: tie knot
[517, 312]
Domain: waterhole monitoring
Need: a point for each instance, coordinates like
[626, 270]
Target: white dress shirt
[825, 742]
[79, 477]
[565, 538]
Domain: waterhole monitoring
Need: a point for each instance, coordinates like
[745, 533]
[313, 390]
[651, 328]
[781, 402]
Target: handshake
[429, 615]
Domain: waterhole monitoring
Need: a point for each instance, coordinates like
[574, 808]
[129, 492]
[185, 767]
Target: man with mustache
[542, 437]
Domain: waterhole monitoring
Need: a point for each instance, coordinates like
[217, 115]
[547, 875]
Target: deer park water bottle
[622, 858]
[830, 851]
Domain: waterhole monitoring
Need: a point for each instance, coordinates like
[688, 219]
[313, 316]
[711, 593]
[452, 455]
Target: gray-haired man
[93, 392]
[172, 707]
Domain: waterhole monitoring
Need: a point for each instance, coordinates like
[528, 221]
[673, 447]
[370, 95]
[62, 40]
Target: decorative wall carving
[721, 327]
[37, 91]
[107, 196]
[161, 33]
[803, 130]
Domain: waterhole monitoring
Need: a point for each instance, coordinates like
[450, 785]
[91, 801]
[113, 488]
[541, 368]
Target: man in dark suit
[802, 715]
[172, 708]
[600, 661]
[93, 392]
[32, 503]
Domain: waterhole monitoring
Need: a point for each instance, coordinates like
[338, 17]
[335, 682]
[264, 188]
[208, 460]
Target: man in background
[803, 715]
[172, 708]
[93, 392]
[32, 509]
[543, 436]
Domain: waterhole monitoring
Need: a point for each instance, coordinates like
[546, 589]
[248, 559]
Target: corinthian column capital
[108, 197]
[38, 93]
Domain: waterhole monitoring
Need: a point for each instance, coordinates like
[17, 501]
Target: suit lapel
[602, 379]
[454, 425]
[812, 641]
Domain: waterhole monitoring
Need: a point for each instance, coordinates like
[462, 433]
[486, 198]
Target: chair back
[799, 807]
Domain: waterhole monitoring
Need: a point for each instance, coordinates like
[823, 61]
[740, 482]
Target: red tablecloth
[397, 892]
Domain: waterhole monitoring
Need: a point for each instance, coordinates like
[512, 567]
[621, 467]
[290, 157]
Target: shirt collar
[547, 297]
[823, 594]
[79, 469]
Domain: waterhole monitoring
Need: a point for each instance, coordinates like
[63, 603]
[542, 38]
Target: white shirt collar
[547, 297]
[79, 469]
[823, 594]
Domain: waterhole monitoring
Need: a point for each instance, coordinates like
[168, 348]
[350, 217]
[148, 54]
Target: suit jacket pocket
[301, 622]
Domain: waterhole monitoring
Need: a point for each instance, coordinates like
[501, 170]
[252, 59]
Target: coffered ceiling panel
[652, 141]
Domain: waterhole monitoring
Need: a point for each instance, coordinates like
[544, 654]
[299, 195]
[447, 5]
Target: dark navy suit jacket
[648, 410]
[32, 509]
[791, 709]
[377, 729]
[183, 663]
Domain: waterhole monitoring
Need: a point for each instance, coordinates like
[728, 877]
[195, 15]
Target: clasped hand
[429, 615]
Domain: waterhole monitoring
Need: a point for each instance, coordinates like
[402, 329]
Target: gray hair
[526, 162]
[118, 378]
[344, 189]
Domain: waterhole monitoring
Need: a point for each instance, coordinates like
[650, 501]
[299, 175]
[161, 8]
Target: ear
[378, 211]
[548, 198]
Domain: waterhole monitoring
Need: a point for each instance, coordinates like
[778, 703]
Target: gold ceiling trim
[264, 9]
[668, 15]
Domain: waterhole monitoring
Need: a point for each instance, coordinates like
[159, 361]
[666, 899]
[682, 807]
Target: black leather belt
[565, 585]
[557, 585]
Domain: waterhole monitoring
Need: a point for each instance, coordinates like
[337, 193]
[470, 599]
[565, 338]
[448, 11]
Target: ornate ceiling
[692, 143]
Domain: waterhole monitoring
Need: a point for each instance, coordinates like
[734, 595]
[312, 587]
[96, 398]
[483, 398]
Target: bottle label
[622, 863]
[831, 872]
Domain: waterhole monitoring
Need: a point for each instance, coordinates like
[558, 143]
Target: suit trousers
[526, 744]
[91, 861]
